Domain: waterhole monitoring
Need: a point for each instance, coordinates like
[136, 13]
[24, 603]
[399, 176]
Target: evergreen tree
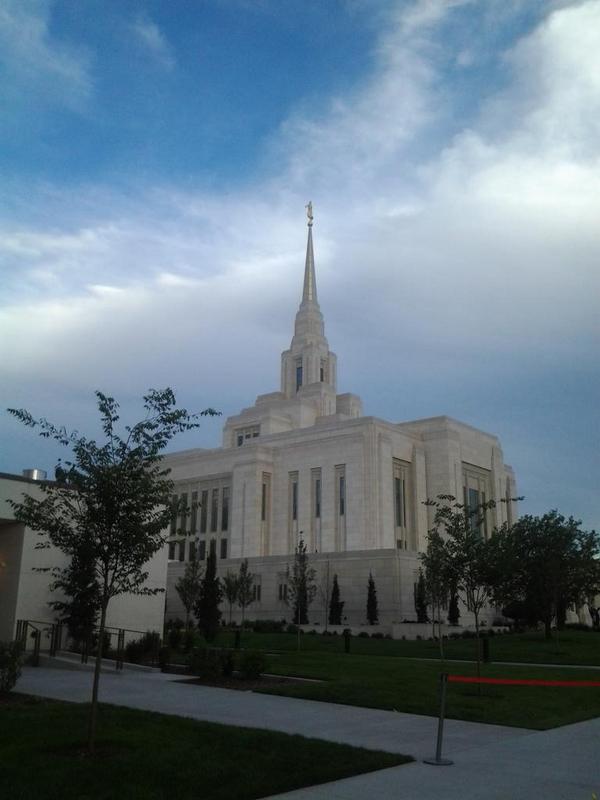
[372, 613]
[421, 598]
[230, 590]
[188, 587]
[336, 607]
[79, 585]
[301, 585]
[245, 594]
[207, 608]
[453, 610]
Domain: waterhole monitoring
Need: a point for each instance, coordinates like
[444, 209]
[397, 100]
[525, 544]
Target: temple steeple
[309, 360]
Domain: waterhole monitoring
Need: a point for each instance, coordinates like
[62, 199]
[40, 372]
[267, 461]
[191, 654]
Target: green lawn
[574, 647]
[145, 756]
[412, 686]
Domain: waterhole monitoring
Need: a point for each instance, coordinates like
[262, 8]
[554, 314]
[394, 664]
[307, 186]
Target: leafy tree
[207, 608]
[372, 612]
[79, 586]
[548, 564]
[188, 587]
[245, 593]
[336, 607]
[469, 556]
[231, 588]
[301, 585]
[113, 506]
[420, 598]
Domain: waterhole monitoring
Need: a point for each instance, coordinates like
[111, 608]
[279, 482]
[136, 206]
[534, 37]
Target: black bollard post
[347, 636]
[438, 761]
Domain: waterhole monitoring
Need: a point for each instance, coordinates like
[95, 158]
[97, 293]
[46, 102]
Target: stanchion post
[438, 761]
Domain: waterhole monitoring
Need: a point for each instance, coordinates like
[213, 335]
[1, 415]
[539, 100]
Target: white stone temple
[304, 462]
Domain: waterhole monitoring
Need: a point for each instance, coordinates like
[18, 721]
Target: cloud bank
[456, 237]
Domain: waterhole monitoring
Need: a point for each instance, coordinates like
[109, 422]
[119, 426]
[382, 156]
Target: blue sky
[155, 159]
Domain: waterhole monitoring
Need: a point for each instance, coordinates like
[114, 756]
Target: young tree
[114, 504]
[301, 585]
[188, 587]
[231, 588]
[469, 555]
[372, 611]
[207, 608]
[336, 607]
[420, 598]
[245, 594]
[438, 578]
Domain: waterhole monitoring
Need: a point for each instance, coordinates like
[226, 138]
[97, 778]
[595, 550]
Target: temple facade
[304, 463]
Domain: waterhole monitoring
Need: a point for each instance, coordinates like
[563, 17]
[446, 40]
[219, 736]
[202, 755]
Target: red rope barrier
[519, 682]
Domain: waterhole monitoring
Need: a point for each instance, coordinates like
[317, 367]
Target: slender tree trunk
[97, 668]
[478, 640]
[440, 631]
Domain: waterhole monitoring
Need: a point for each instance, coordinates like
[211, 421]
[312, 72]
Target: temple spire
[309, 290]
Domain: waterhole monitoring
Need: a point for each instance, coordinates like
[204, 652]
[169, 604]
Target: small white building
[303, 462]
[24, 590]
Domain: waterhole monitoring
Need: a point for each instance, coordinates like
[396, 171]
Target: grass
[410, 686]
[574, 647]
[147, 756]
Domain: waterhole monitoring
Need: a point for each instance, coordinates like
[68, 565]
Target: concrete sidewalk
[491, 761]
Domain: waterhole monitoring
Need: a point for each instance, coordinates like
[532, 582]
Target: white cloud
[478, 252]
[152, 39]
[38, 68]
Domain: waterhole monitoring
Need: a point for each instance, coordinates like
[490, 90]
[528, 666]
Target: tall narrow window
[182, 550]
[295, 500]
[201, 550]
[213, 547]
[476, 489]
[184, 512]
[402, 513]
[340, 507]
[298, 373]
[318, 498]
[172, 546]
[204, 511]
[214, 510]
[192, 551]
[225, 508]
[194, 513]
[174, 515]
[263, 502]
[223, 548]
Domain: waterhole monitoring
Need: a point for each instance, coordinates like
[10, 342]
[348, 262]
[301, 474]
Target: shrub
[363, 635]
[377, 635]
[10, 665]
[252, 663]
[291, 628]
[269, 625]
[312, 633]
[227, 663]
[205, 662]
[174, 637]
[164, 655]
[142, 649]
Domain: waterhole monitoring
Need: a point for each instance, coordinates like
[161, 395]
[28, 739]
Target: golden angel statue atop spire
[309, 213]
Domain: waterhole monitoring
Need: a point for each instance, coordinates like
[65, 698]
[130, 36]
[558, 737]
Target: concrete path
[491, 761]
[410, 734]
